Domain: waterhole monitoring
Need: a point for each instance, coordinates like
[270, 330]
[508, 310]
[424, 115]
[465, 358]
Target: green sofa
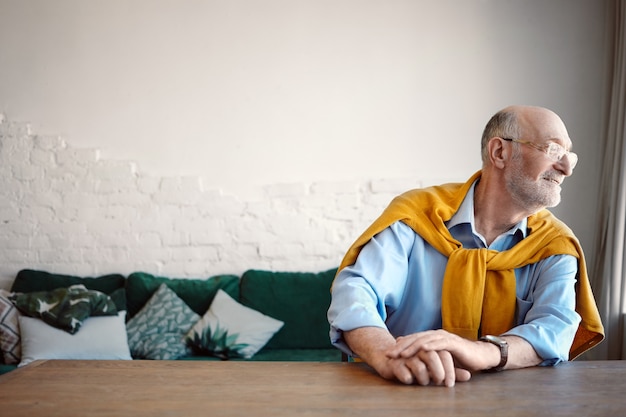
[298, 299]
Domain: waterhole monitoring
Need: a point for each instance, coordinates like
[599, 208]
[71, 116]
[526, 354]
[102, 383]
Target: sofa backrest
[29, 280]
[299, 299]
[198, 294]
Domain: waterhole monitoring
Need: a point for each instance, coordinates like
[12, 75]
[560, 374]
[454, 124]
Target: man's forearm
[521, 353]
[369, 343]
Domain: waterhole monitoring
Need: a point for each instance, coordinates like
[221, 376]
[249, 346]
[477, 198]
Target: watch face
[495, 339]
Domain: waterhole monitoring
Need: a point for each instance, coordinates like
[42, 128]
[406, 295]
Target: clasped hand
[432, 357]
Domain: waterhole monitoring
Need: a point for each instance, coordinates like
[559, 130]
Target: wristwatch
[504, 350]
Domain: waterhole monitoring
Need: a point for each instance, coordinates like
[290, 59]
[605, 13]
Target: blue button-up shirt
[396, 282]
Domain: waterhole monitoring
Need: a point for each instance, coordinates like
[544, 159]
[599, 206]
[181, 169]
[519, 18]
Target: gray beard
[531, 195]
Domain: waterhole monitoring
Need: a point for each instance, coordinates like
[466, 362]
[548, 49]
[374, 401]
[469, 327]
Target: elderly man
[460, 278]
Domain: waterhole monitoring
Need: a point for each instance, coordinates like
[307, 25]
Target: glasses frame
[553, 150]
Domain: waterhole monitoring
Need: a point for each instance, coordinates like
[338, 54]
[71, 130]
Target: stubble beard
[531, 194]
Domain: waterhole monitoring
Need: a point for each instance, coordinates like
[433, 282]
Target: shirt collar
[465, 214]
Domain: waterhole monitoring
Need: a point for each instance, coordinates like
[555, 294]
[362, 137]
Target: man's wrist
[501, 349]
[492, 355]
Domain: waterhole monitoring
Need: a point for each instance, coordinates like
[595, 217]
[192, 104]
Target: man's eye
[556, 150]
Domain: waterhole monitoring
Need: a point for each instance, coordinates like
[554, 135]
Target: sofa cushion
[159, 329]
[99, 338]
[196, 293]
[280, 355]
[295, 355]
[300, 299]
[28, 280]
[5, 369]
[119, 299]
[229, 329]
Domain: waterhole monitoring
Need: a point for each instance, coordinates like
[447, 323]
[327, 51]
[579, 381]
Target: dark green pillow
[196, 293]
[300, 299]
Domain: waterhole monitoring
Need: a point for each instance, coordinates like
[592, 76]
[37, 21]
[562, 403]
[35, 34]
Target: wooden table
[200, 388]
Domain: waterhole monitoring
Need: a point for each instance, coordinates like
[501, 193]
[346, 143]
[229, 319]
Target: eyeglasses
[553, 150]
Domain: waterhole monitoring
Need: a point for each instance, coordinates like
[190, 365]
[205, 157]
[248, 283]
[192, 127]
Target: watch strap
[504, 351]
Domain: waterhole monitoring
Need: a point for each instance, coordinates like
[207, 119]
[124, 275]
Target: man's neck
[494, 212]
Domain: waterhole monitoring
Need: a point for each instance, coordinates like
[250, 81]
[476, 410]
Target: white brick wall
[66, 210]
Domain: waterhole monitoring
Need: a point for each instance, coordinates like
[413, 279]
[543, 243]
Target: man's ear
[499, 153]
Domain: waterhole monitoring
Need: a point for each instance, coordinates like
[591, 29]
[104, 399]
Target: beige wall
[248, 94]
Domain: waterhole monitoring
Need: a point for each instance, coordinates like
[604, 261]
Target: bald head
[528, 122]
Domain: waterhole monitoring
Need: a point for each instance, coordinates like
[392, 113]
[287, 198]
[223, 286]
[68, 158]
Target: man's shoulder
[546, 219]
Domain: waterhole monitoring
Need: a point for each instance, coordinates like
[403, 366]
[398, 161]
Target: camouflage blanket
[65, 308]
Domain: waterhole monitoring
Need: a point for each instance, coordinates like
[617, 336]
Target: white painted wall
[245, 96]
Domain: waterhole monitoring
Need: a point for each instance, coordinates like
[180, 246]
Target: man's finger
[463, 375]
[420, 370]
[447, 363]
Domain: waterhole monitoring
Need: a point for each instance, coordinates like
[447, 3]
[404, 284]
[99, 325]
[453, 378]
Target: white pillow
[102, 337]
[229, 329]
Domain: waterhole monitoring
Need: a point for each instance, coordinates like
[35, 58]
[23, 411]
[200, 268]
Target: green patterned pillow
[65, 308]
[229, 329]
[157, 331]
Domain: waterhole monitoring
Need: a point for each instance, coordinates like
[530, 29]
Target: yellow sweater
[479, 284]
